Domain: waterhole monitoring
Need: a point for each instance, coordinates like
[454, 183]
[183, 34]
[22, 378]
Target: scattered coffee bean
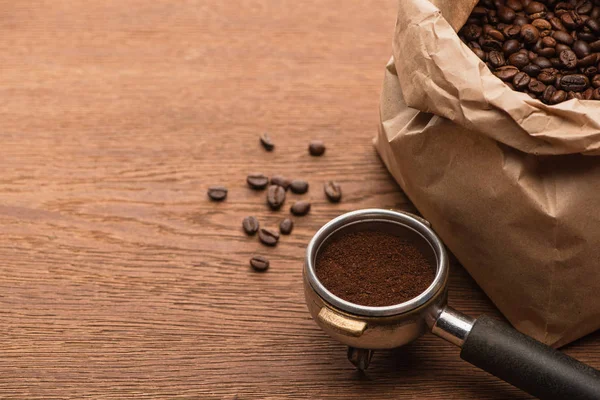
[250, 225]
[316, 148]
[286, 226]
[280, 181]
[333, 191]
[217, 193]
[275, 196]
[266, 142]
[259, 263]
[300, 208]
[299, 186]
[257, 181]
[268, 237]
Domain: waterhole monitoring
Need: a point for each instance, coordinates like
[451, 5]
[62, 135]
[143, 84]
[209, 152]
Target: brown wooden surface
[119, 279]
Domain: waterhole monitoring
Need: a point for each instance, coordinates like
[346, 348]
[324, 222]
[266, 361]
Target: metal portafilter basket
[486, 343]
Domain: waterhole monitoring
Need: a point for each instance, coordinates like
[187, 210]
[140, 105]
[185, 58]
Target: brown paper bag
[510, 184]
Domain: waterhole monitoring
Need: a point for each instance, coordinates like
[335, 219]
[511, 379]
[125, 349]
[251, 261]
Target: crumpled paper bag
[510, 184]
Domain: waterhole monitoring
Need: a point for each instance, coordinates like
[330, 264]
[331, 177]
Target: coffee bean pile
[548, 49]
[276, 189]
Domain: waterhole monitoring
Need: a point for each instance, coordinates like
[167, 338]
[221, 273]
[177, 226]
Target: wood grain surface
[119, 279]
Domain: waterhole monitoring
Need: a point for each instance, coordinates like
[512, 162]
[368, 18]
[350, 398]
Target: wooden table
[119, 279]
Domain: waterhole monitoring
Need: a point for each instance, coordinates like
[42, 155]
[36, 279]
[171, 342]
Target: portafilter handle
[520, 360]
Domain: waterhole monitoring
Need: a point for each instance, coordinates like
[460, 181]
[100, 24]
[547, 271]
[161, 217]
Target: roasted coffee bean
[584, 7]
[548, 94]
[574, 83]
[334, 191]
[556, 63]
[593, 24]
[280, 181]
[558, 97]
[506, 14]
[512, 31]
[506, 73]
[521, 81]
[472, 32]
[286, 226]
[496, 58]
[596, 94]
[595, 12]
[511, 46]
[531, 55]
[581, 48]
[596, 81]
[530, 33]
[595, 46]
[536, 87]
[535, 9]
[541, 24]
[298, 186]
[547, 52]
[590, 71]
[490, 44]
[563, 37]
[479, 12]
[496, 35]
[574, 95]
[250, 225]
[586, 36]
[571, 20]
[268, 236]
[300, 208]
[316, 148]
[275, 196]
[520, 20]
[556, 24]
[549, 41]
[515, 5]
[257, 181]
[542, 62]
[480, 53]
[587, 60]
[519, 60]
[266, 142]
[259, 263]
[532, 70]
[217, 193]
[561, 47]
[568, 59]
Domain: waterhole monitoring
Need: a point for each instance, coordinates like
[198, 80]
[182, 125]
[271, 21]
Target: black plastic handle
[528, 364]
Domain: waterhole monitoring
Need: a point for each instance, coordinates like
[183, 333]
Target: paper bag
[510, 184]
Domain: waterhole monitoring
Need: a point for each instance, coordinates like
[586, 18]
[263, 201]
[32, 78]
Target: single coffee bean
[587, 60]
[570, 20]
[590, 71]
[519, 60]
[480, 53]
[275, 196]
[316, 148]
[542, 62]
[516, 5]
[250, 225]
[556, 63]
[541, 24]
[257, 181]
[479, 11]
[581, 48]
[596, 94]
[512, 32]
[506, 73]
[280, 181]
[549, 41]
[266, 142]
[298, 186]
[535, 7]
[595, 46]
[536, 87]
[595, 12]
[472, 32]
[574, 95]
[532, 70]
[259, 263]
[568, 59]
[521, 81]
[596, 81]
[217, 193]
[520, 20]
[563, 37]
[506, 14]
[547, 52]
[531, 55]
[496, 35]
[530, 33]
[593, 24]
[556, 24]
[574, 83]
[511, 46]
[588, 93]
[286, 226]
[584, 7]
[496, 58]
[558, 97]
[490, 44]
[586, 36]
[268, 236]
[333, 189]
[548, 93]
[300, 208]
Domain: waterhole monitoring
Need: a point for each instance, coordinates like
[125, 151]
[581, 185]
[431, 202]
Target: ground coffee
[373, 268]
